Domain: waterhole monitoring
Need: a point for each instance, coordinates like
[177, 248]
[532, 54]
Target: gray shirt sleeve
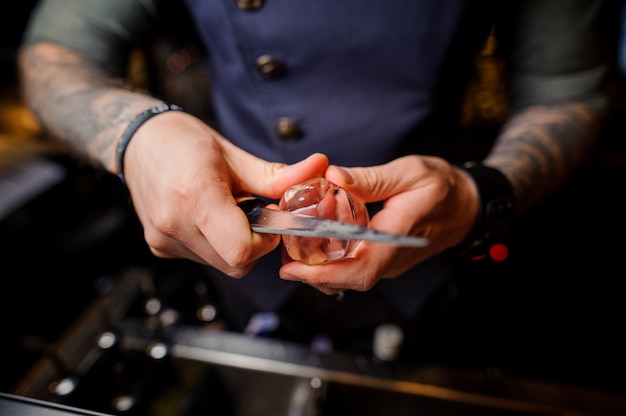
[103, 30]
[559, 52]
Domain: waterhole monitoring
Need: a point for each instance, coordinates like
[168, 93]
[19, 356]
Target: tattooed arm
[558, 60]
[73, 63]
[541, 146]
[77, 101]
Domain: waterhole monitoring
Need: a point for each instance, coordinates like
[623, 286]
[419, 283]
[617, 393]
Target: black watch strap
[497, 209]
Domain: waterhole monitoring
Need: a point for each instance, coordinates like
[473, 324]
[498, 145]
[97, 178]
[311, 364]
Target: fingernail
[347, 176]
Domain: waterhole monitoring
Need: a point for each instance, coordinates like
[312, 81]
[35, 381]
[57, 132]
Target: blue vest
[359, 81]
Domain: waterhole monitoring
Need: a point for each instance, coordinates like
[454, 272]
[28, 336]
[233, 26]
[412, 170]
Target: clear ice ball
[321, 198]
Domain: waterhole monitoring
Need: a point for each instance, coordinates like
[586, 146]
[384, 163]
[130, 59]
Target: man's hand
[184, 179]
[423, 196]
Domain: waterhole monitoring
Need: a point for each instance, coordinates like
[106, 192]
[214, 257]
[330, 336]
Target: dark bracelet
[132, 129]
[497, 209]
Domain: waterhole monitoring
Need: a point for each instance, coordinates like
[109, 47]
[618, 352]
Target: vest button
[249, 4]
[269, 67]
[288, 129]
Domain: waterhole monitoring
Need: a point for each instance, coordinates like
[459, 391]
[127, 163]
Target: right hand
[184, 178]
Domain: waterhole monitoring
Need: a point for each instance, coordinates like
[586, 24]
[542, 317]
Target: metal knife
[270, 221]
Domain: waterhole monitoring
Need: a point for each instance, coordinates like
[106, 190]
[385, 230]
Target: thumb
[375, 183]
[271, 179]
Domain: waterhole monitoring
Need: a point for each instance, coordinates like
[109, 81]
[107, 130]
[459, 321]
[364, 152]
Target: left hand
[423, 196]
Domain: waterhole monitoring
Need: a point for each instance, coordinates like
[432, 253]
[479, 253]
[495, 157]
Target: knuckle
[157, 242]
[164, 223]
[238, 257]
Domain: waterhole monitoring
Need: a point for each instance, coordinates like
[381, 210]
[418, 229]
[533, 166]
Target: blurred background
[552, 315]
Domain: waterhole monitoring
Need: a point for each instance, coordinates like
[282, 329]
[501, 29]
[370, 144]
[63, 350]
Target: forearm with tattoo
[77, 102]
[540, 148]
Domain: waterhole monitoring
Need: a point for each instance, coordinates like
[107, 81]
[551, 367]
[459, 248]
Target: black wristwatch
[497, 210]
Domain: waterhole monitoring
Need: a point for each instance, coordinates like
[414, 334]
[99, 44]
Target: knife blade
[270, 221]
